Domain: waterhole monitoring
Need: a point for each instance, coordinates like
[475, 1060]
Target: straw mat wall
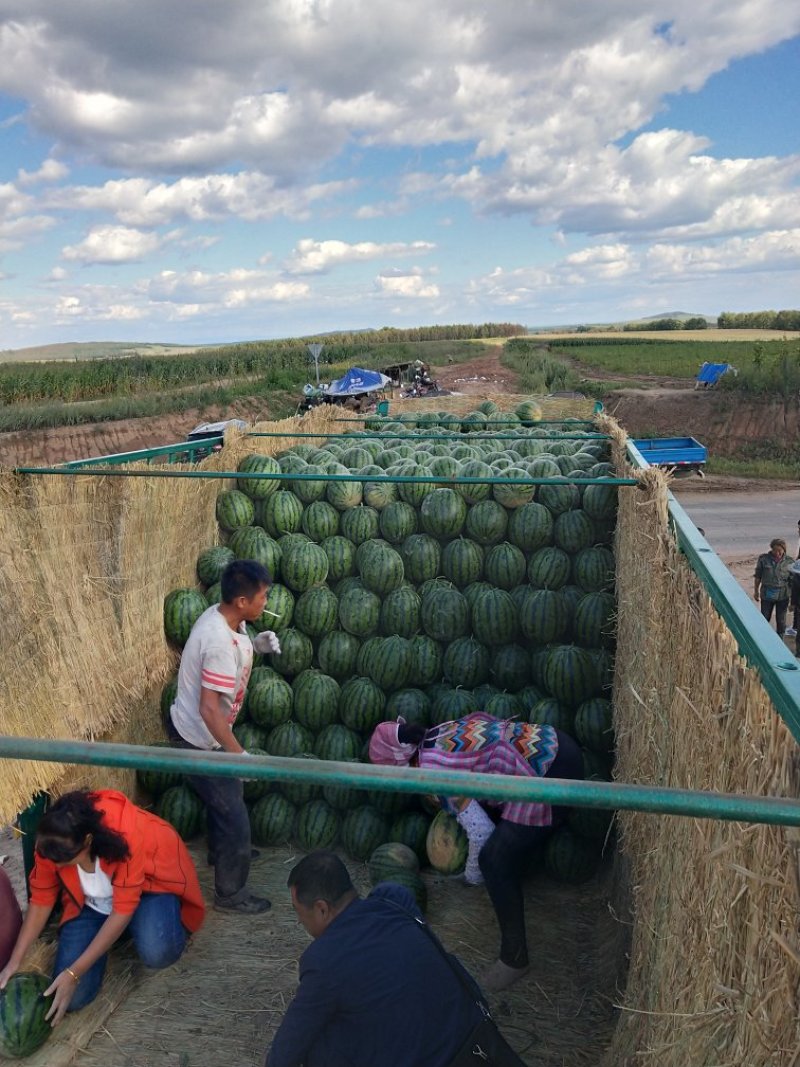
[715, 959]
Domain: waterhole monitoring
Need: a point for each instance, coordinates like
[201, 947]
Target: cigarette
[274, 614]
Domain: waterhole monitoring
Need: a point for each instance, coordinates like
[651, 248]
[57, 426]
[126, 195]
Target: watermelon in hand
[23, 1027]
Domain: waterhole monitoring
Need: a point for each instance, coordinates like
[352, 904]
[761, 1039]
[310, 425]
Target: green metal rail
[495, 422]
[497, 787]
[176, 453]
[758, 643]
[461, 438]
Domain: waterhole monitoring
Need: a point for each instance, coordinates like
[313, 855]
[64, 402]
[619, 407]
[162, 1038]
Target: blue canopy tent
[357, 381]
[710, 373]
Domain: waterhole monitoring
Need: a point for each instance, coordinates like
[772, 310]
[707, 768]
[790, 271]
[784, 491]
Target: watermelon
[341, 555]
[381, 568]
[317, 611]
[528, 412]
[543, 616]
[272, 820]
[296, 652]
[363, 829]
[530, 527]
[414, 493]
[182, 808]
[289, 739]
[279, 610]
[504, 706]
[303, 566]
[462, 562]
[421, 555]
[390, 857]
[486, 522]
[504, 565]
[573, 531]
[443, 514]
[281, 514]
[23, 1006]
[258, 488]
[594, 725]
[474, 492]
[412, 881]
[410, 705]
[337, 653]
[361, 703]
[510, 667]
[494, 617]
[251, 542]
[269, 702]
[450, 704]
[466, 662]
[570, 674]
[426, 659]
[559, 497]
[600, 501]
[182, 609]
[234, 509]
[344, 797]
[213, 594]
[316, 699]
[360, 524]
[529, 697]
[550, 712]
[513, 496]
[593, 569]
[549, 568]
[569, 858]
[400, 612]
[445, 613]
[344, 495]
[212, 562]
[446, 844]
[593, 624]
[316, 826]
[250, 736]
[168, 694]
[359, 611]
[337, 742]
[255, 788]
[157, 782]
[320, 521]
[397, 522]
[411, 828]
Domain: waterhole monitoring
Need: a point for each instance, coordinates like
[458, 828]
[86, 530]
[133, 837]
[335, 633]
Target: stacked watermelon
[424, 601]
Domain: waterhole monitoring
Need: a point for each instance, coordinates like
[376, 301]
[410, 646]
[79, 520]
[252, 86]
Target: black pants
[505, 855]
[228, 828]
[780, 607]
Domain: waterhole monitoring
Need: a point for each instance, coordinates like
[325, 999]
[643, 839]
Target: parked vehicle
[681, 454]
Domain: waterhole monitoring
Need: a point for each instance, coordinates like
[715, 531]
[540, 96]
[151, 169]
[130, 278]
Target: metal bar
[142, 454]
[497, 787]
[758, 643]
[427, 479]
[495, 422]
[460, 437]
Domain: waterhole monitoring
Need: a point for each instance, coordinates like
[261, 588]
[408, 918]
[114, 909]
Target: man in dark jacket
[375, 990]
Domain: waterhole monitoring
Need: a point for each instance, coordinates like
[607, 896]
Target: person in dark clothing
[771, 587]
[375, 990]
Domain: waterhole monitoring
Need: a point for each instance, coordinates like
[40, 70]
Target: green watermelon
[316, 826]
[300, 791]
[251, 542]
[168, 694]
[337, 652]
[510, 667]
[410, 705]
[412, 881]
[23, 1006]
[337, 742]
[513, 496]
[359, 611]
[462, 562]
[504, 706]
[157, 782]
[344, 797]
[414, 493]
[282, 513]
[543, 616]
[504, 566]
[254, 788]
[443, 514]
[343, 494]
[250, 736]
[446, 844]
[316, 699]
[411, 828]
[360, 524]
[296, 652]
[212, 562]
[182, 609]
[466, 662]
[400, 612]
[570, 674]
[304, 566]
[269, 702]
[289, 739]
[381, 569]
[549, 568]
[390, 857]
[341, 555]
[474, 492]
[569, 858]
[279, 610]
[445, 613]
[363, 829]
[573, 531]
[320, 520]
[234, 509]
[450, 704]
[316, 611]
[398, 521]
[593, 624]
[361, 704]
[421, 555]
[426, 659]
[182, 808]
[258, 488]
[594, 725]
[272, 820]
[600, 501]
[593, 569]
[487, 522]
[550, 712]
[494, 617]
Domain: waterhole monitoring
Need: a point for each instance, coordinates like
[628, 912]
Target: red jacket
[159, 863]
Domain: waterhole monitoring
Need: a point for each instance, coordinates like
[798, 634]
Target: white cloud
[113, 244]
[773, 251]
[317, 257]
[408, 285]
[50, 171]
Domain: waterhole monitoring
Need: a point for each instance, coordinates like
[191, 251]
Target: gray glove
[267, 643]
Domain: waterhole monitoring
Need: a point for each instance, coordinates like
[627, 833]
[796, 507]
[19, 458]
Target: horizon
[264, 175]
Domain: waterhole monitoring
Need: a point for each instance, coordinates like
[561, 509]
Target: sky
[195, 172]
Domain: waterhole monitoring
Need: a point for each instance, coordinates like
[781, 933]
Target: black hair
[243, 577]
[63, 828]
[321, 875]
[410, 733]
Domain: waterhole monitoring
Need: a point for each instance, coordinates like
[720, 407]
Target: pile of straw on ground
[715, 957]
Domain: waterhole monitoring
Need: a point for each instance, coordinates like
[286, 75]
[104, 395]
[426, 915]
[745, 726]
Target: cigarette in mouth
[274, 614]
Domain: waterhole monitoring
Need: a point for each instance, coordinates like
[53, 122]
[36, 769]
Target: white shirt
[97, 889]
[215, 657]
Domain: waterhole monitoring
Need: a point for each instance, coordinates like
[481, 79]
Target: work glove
[267, 643]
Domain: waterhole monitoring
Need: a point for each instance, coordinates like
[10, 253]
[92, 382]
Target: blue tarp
[357, 380]
[710, 373]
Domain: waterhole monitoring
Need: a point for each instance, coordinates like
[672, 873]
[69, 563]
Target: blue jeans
[156, 931]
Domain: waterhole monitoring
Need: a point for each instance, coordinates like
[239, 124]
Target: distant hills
[680, 316]
[90, 350]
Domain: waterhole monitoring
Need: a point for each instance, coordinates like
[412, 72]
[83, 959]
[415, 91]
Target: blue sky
[199, 172]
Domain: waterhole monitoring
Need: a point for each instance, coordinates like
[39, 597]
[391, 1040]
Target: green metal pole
[460, 438]
[497, 787]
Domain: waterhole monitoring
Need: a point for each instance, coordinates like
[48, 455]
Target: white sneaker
[790, 632]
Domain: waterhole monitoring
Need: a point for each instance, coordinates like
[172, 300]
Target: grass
[767, 469]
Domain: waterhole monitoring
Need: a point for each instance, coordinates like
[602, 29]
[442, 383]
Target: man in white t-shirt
[212, 682]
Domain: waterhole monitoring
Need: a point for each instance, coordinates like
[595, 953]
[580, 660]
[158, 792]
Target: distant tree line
[759, 320]
[696, 323]
[462, 332]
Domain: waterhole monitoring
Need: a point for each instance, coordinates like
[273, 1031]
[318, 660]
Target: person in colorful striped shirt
[497, 853]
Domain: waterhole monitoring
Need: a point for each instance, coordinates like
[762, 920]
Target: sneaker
[790, 632]
[249, 905]
[211, 860]
[500, 976]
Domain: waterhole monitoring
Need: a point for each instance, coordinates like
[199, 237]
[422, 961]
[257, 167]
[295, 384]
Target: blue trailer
[681, 454]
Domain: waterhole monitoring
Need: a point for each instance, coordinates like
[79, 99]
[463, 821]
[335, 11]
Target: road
[741, 525]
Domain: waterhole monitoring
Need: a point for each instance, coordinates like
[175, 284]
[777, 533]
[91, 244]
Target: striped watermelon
[569, 858]
[411, 829]
[504, 706]
[474, 492]
[504, 565]
[513, 496]
[426, 659]
[549, 568]
[361, 703]
[212, 562]
[365, 654]
[593, 624]
[593, 569]
[594, 725]
[530, 527]
[382, 568]
[400, 612]
[344, 495]
[451, 704]
[289, 739]
[167, 699]
[412, 881]
[362, 831]
[316, 699]
[182, 609]
[447, 844]
[445, 614]
[255, 788]
[300, 791]
[304, 566]
[410, 705]
[573, 531]
[494, 617]
[529, 697]
[528, 412]
[543, 616]
[251, 542]
[421, 556]
[559, 497]
[234, 509]
[337, 653]
[270, 702]
[182, 808]
[359, 611]
[360, 524]
[510, 667]
[250, 736]
[390, 664]
[473, 591]
[551, 712]
[337, 742]
[272, 820]
[390, 857]
[309, 490]
[462, 561]
[258, 488]
[397, 522]
[443, 514]
[343, 797]
[282, 513]
[320, 520]
[316, 611]
[316, 826]
[600, 501]
[279, 610]
[213, 594]
[23, 1006]
[466, 662]
[341, 555]
[570, 674]
[296, 652]
[487, 522]
[415, 492]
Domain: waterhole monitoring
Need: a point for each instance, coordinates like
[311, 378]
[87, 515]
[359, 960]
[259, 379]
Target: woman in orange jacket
[116, 868]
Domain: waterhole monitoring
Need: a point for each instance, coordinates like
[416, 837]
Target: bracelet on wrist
[75, 977]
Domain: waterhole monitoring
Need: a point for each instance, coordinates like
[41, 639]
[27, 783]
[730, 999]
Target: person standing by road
[771, 586]
[212, 682]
